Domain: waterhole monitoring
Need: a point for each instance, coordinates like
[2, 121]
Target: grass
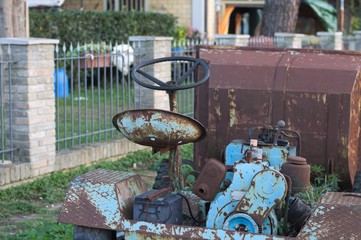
[29, 211]
[86, 115]
[321, 184]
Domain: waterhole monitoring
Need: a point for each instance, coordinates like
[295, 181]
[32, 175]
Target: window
[125, 5]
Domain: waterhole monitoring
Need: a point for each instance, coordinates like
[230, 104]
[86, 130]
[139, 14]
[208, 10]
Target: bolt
[241, 227]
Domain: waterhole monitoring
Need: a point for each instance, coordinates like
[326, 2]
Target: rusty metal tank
[299, 171]
[316, 92]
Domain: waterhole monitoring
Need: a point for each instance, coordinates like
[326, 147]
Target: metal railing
[90, 87]
[93, 83]
[6, 111]
[351, 43]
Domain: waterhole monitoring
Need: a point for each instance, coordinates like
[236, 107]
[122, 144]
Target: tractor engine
[248, 203]
[251, 182]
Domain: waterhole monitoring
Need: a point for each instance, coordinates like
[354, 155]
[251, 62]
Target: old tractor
[250, 192]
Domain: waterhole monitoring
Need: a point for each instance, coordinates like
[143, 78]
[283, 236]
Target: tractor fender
[101, 199]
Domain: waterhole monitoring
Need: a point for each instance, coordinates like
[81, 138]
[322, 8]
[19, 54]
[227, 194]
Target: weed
[283, 227]
[42, 230]
[322, 184]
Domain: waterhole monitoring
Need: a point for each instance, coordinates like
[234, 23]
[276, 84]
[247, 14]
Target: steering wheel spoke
[151, 78]
[175, 84]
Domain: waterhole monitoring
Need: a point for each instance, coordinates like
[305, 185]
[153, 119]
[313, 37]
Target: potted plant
[92, 55]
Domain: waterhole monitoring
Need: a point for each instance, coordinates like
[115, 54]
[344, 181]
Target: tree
[279, 16]
[352, 13]
[13, 18]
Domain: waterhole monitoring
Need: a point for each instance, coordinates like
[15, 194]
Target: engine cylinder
[299, 172]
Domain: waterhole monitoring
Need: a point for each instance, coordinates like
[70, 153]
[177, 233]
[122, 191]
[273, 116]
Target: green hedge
[87, 26]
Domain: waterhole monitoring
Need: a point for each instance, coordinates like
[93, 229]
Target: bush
[87, 26]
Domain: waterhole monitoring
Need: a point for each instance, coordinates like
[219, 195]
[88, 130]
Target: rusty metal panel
[338, 216]
[343, 198]
[145, 230]
[101, 199]
[333, 222]
[315, 92]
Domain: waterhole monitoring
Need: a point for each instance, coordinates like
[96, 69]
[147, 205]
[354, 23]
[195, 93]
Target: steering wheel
[175, 84]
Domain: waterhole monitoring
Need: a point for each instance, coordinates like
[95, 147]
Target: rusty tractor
[249, 193]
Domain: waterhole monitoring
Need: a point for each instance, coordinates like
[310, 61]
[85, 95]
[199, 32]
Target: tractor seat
[158, 129]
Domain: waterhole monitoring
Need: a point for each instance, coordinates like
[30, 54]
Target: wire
[170, 211]
[189, 209]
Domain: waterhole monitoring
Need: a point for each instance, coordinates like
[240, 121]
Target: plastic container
[61, 83]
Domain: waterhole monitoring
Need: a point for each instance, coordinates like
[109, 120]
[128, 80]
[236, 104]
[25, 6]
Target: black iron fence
[6, 109]
[93, 83]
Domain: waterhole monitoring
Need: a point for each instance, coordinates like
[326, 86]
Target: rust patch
[232, 108]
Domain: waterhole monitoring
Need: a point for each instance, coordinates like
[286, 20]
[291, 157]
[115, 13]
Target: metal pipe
[175, 159]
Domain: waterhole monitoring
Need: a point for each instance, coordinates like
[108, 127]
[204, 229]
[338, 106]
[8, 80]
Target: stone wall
[182, 9]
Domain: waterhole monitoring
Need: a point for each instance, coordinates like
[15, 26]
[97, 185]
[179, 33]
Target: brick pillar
[232, 39]
[330, 40]
[289, 40]
[147, 48]
[32, 101]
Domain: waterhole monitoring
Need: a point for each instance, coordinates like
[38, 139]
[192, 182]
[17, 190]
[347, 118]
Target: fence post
[30, 73]
[232, 39]
[147, 48]
[331, 40]
[289, 40]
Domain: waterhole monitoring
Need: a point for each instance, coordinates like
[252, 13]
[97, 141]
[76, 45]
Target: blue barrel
[61, 83]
